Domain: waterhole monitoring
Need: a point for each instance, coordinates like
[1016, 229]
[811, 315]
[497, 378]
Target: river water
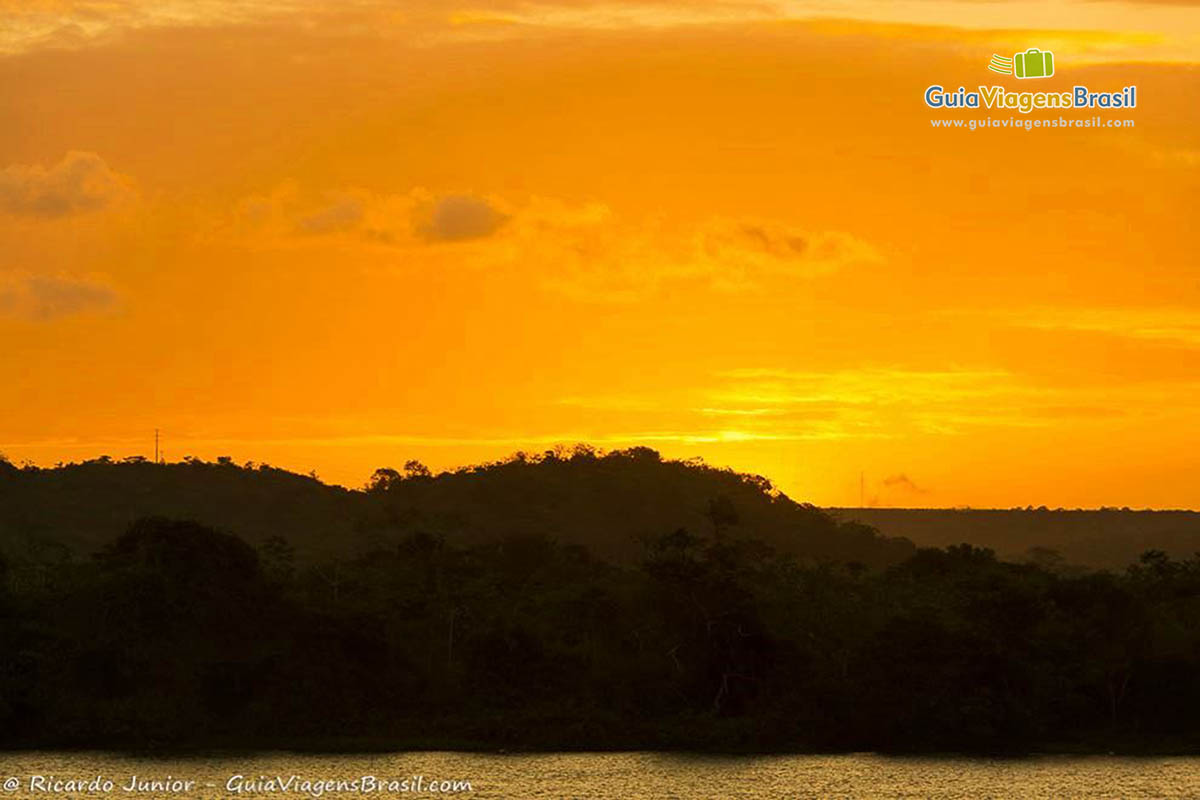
[605, 776]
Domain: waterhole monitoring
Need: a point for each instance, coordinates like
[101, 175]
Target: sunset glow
[338, 236]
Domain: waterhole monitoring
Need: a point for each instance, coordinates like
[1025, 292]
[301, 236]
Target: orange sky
[339, 235]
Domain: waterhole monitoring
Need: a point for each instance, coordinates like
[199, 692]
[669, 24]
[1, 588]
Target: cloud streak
[880, 403]
[592, 254]
[1171, 25]
[1164, 326]
[42, 298]
[581, 250]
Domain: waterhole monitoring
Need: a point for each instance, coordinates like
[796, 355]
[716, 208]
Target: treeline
[178, 635]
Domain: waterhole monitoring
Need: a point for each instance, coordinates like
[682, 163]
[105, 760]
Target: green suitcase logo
[1033, 63]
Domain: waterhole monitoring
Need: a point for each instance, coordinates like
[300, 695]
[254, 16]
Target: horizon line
[537, 457]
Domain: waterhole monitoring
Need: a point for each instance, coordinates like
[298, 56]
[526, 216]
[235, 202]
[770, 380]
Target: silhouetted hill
[83, 507]
[1106, 538]
[607, 503]
[612, 503]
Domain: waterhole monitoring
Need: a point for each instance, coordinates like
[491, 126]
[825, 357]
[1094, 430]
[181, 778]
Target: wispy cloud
[78, 183]
[596, 255]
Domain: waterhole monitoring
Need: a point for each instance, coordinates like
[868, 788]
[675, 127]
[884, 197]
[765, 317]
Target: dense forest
[426, 627]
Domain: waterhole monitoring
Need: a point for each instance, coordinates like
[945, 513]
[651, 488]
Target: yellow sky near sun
[338, 236]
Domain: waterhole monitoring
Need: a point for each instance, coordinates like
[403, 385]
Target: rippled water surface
[599, 775]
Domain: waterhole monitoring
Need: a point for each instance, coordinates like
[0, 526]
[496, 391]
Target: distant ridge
[1106, 538]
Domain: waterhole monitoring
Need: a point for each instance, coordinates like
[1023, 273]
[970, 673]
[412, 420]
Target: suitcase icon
[1033, 63]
